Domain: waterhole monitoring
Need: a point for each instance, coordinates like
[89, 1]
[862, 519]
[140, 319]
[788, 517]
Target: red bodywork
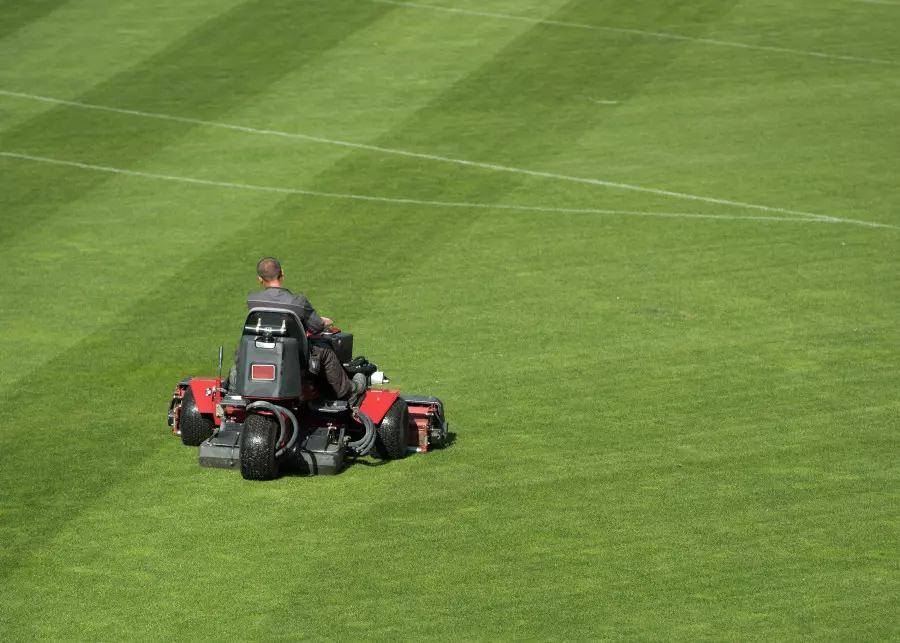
[377, 402]
[207, 394]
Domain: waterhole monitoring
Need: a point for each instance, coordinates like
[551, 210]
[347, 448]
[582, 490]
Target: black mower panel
[269, 367]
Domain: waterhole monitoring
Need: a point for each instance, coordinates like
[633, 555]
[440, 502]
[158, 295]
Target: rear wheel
[258, 439]
[194, 426]
[393, 432]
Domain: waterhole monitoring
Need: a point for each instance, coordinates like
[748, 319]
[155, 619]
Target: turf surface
[668, 427]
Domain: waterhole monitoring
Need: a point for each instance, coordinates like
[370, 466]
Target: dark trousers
[331, 367]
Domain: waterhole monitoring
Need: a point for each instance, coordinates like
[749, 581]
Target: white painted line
[639, 32]
[598, 101]
[442, 204]
[417, 155]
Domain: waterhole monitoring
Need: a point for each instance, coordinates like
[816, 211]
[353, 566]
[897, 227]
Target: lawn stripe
[640, 32]
[443, 204]
[418, 155]
[15, 15]
[235, 64]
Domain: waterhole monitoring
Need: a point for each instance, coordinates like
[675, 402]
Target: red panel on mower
[377, 402]
[206, 393]
[262, 372]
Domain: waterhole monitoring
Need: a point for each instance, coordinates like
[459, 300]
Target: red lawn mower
[271, 416]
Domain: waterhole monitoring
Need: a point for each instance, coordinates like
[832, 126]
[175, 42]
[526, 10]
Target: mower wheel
[393, 432]
[194, 426]
[258, 439]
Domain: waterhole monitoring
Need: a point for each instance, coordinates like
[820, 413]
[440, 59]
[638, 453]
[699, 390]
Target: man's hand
[328, 323]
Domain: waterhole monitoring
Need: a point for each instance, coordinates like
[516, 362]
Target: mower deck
[316, 453]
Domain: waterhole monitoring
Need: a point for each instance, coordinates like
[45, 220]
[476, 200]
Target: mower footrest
[329, 406]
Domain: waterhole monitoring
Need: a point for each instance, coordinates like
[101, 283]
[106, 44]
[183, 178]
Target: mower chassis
[317, 453]
[314, 455]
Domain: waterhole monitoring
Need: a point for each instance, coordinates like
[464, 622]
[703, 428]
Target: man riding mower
[276, 416]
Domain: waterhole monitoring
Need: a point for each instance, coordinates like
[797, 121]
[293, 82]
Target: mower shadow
[368, 462]
[292, 472]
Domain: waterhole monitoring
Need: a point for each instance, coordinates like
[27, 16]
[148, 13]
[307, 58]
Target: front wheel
[194, 426]
[258, 438]
[393, 432]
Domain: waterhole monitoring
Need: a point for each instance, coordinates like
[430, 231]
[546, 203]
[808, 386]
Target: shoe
[358, 385]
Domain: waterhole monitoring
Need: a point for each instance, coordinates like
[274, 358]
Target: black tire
[194, 426]
[258, 439]
[393, 432]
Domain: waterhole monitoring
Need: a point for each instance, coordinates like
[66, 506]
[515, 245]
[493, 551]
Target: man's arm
[313, 321]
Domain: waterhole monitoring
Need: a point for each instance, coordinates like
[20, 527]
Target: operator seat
[273, 355]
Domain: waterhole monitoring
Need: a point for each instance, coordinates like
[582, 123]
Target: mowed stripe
[419, 155]
[643, 33]
[435, 204]
[28, 204]
[216, 67]
[16, 15]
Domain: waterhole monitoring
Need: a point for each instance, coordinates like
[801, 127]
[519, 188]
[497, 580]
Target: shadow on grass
[365, 461]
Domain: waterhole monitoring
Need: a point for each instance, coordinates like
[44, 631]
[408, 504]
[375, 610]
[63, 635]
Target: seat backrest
[273, 355]
[277, 322]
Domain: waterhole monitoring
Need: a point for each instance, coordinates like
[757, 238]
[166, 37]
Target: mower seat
[277, 322]
[273, 355]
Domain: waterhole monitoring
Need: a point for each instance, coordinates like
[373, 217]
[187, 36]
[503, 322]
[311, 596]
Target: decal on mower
[262, 372]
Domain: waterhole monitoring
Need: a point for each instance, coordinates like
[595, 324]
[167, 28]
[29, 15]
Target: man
[275, 295]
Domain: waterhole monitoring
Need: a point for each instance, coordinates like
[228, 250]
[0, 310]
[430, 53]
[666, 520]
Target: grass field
[647, 253]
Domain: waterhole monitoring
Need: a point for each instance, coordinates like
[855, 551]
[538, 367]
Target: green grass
[667, 428]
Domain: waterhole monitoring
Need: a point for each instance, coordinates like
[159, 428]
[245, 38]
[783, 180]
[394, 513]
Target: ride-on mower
[273, 415]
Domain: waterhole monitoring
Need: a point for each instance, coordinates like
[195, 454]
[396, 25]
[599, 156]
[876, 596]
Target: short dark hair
[269, 269]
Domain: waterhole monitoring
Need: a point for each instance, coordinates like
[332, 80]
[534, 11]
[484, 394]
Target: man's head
[269, 271]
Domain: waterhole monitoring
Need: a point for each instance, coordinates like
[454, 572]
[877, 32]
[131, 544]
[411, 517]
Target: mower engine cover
[269, 367]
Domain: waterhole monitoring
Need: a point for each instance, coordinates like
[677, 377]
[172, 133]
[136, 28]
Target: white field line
[417, 155]
[639, 32]
[442, 204]
[598, 101]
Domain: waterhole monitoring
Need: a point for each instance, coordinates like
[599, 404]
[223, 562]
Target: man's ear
[259, 279]
[281, 274]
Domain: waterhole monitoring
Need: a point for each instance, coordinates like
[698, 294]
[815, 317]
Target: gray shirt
[284, 298]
